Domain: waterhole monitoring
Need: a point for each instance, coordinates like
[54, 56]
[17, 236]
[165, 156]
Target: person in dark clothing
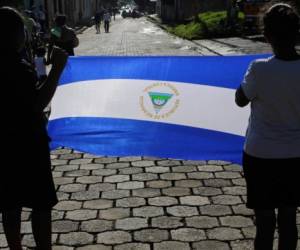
[63, 37]
[271, 158]
[97, 19]
[114, 12]
[107, 20]
[27, 181]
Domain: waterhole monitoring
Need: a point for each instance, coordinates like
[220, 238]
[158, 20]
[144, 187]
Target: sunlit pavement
[146, 203]
[138, 37]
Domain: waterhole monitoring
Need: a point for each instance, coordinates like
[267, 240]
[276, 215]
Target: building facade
[77, 11]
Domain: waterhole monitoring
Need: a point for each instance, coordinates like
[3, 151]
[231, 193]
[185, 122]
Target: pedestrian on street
[97, 19]
[271, 158]
[62, 36]
[114, 12]
[107, 20]
[27, 180]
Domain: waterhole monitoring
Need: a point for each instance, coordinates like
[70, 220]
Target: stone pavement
[141, 37]
[146, 203]
[134, 37]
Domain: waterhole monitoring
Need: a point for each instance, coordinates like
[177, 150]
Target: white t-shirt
[273, 87]
[40, 66]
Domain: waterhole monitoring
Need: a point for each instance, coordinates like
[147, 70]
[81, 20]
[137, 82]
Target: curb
[257, 38]
[157, 23]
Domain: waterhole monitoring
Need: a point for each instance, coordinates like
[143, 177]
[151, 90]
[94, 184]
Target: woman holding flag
[271, 157]
[27, 180]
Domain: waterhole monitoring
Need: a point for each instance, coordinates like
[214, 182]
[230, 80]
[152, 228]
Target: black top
[67, 46]
[98, 17]
[67, 40]
[26, 180]
[21, 120]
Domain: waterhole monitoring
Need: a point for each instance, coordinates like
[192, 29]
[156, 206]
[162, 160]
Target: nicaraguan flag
[171, 107]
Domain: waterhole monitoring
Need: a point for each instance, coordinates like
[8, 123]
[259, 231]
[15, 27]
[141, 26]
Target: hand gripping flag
[171, 107]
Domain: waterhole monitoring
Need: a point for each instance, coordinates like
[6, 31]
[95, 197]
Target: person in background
[97, 19]
[62, 36]
[30, 24]
[41, 18]
[114, 12]
[31, 28]
[271, 158]
[107, 20]
[27, 180]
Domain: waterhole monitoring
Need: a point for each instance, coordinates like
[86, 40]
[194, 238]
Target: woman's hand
[58, 59]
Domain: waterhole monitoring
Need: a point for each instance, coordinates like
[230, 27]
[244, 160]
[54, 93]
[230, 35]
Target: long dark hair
[11, 26]
[281, 22]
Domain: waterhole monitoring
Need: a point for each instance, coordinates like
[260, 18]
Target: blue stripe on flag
[218, 71]
[121, 137]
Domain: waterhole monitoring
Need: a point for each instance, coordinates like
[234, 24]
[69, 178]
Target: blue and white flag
[170, 107]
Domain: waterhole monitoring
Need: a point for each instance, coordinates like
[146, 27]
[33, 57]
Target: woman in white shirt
[271, 159]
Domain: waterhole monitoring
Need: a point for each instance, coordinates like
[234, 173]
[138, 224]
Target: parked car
[126, 13]
[136, 14]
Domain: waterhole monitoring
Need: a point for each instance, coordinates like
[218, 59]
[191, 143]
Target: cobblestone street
[146, 203]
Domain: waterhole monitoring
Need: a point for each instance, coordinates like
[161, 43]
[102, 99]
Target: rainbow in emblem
[159, 100]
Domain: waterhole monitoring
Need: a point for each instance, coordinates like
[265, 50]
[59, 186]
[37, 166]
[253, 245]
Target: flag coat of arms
[170, 107]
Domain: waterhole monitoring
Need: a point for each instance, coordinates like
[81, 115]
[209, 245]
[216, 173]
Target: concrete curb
[153, 20]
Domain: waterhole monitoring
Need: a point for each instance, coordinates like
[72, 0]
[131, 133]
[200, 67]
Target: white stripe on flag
[194, 105]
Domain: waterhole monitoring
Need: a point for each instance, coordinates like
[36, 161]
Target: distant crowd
[40, 39]
[105, 16]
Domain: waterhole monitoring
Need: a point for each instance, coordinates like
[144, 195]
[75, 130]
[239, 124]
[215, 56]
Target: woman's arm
[47, 89]
[240, 98]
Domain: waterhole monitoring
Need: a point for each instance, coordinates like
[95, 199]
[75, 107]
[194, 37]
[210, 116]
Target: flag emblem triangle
[159, 100]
